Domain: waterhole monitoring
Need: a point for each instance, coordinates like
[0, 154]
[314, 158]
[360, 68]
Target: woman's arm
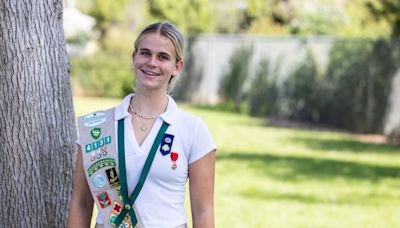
[201, 186]
[80, 213]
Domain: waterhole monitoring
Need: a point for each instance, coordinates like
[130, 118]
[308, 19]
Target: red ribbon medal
[174, 158]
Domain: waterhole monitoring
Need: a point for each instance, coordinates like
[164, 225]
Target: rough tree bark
[37, 123]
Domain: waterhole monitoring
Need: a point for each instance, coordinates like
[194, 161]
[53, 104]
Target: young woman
[135, 159]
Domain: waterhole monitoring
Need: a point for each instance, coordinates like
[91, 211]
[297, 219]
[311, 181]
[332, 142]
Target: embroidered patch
[96, 145]
[94, 119]
[105, 162]
[166, 144]
[112, 218]
[112, 177]
[116, 207]
[99, 180]
[115, 210]
[104, 199]
[127, 222]
[95, 133]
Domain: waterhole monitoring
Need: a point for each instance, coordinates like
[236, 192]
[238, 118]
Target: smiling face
[155, 62]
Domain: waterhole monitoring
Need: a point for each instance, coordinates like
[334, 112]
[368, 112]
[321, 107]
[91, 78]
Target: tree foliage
[329, 17]
[107, 11]
[387, 10]
[277, 12]
[191, 16]
[107, 72]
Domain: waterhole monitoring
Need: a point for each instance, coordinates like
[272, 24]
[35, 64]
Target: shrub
[232, 82]
[263, 94]
[103, 74]
[108, 72]
[346, 84]
[302, 91]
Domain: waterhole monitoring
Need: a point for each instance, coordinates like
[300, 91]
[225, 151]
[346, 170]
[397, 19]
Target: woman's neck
[149, 103]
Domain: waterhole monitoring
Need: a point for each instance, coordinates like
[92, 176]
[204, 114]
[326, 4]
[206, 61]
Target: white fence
[210, 56]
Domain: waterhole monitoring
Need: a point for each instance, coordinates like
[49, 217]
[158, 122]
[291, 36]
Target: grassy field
[284, 177]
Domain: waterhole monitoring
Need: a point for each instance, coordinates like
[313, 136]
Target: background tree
[191, 16]
[37, 124]
[387, 10]
[107, 13]
[266, 16]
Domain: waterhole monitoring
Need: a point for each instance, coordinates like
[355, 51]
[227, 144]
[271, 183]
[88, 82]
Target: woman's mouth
[150, 73]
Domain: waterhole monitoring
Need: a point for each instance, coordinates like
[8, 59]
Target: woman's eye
[164, 57]
[145, 53]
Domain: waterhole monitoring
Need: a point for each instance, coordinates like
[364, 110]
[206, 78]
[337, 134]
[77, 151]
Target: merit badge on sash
[112, 177]
[94, 119]
[166, 144]
[115, 211]
[105, 162]
[95, 133]
[104, 199]
[174, 158]
[99, 180]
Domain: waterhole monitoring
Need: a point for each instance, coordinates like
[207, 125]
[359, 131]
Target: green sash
[129, 201]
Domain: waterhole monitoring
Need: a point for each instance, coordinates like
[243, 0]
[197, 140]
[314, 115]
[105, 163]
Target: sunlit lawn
[282, 177]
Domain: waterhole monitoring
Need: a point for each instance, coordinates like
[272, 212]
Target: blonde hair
[171, 32]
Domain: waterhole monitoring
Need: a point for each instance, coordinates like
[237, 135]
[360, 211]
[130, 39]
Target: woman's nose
[152, 60]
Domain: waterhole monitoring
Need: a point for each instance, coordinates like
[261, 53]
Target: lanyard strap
[128, 202]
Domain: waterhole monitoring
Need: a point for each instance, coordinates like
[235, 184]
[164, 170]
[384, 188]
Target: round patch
[165, 147]
[99, 180]
[167, 140]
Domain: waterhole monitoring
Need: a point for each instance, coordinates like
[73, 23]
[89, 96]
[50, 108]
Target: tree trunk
[37, 123]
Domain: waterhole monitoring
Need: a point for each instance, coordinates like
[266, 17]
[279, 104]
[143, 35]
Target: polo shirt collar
[121, 111]
[169, 115]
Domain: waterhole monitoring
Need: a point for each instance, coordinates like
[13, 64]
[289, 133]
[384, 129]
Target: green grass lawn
[283, 177]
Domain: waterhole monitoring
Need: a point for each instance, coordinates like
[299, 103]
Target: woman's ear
[178, 67]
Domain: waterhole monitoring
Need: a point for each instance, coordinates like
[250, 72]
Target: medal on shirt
[174, 158]
[166, 144]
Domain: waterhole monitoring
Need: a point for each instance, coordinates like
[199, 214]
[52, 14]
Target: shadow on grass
[292, 168]
[345, 145]
[257, 193]
[350, 198]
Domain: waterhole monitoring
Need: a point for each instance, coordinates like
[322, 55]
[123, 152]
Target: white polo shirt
[161, 201]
